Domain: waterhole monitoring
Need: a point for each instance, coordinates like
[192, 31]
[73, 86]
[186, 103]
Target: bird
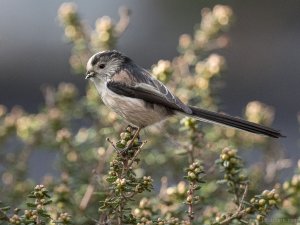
[142, 100]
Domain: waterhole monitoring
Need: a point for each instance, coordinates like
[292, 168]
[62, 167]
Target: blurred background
[262, 57]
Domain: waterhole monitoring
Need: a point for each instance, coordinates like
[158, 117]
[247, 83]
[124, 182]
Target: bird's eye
[101, 66]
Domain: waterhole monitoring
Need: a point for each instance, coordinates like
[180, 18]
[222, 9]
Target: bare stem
[122, 25]
[243, 197]
[122, 198]
[190, 151]
[120, 214]
[240, 213]
[136, 154]
[91, 186]
[112, 144]
[127, 161]
[191, 205]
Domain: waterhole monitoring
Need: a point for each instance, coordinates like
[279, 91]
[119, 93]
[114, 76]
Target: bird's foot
[132, 130]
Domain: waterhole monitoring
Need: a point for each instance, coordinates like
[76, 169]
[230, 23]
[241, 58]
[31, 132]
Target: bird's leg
[136, 135]
[131, 129]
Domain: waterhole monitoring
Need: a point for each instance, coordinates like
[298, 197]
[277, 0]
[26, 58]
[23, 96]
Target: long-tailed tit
[142, 100]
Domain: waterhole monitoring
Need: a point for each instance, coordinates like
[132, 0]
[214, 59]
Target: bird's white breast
[135, 111]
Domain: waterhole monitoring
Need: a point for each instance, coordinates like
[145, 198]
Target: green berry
[265, 193]
[260, 218]
[262, 202]
[224, 157]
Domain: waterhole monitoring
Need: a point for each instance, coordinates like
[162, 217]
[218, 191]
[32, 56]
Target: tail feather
[234, 122]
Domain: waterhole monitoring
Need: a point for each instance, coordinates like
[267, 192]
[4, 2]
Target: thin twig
[112, 144]
[234, 216]
[240, 213]
[91, 186]
[126, 166]
[120, 216]
[191, 206]
[243, 197]
[190, 151]
[136, 153]
[87, 196]
[122, 25]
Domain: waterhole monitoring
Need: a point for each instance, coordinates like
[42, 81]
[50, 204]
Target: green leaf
[226, 164]
[46, 194]
[197, 187]
[244, 221]
[29, 204]
[30, 222]
[181, 152]
[48, 202]
[31, 196]
[111, 179]
[5, 208]
[218, 161]
[246, 203]
[45, 215]
[221, 181]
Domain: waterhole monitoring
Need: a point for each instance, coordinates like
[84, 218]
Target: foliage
[100, 184]
[41, 211]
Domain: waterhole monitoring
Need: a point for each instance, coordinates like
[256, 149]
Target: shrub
[97, 184]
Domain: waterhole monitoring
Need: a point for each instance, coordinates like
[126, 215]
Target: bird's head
[104, 65]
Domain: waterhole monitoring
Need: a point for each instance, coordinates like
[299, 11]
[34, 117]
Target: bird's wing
[137, 82]
[158, 95]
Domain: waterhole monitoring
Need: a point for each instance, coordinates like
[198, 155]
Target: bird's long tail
[231, 121]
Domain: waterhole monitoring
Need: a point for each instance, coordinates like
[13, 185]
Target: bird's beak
[90, 74]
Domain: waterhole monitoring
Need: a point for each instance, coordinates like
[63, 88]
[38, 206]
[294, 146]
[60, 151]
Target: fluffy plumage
[142, 100]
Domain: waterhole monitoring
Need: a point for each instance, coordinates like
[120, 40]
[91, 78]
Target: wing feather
[140, 80]
[149, 94]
